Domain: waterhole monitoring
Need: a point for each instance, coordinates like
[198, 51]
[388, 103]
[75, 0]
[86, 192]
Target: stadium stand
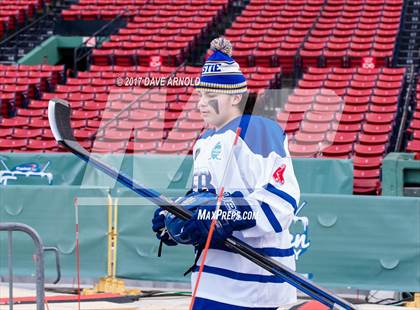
[37, 24]
[268, 34]
[337, 110]
[352, 110]
[15, 13]
[19, 84]
[346, 32]
[335, 33]
[106, 10]
[170, 29]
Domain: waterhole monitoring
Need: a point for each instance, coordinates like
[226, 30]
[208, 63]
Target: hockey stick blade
[59, 117]
[59, 112]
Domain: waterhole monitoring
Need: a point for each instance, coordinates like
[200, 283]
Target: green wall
[50, 48]
[50, 211]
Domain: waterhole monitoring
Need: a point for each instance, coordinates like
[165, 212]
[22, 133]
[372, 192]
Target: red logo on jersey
[278, 175]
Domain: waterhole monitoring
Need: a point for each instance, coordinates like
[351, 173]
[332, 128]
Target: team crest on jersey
[278, 175]
[215, 152]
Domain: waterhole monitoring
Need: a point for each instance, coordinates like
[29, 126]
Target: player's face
[218, 109]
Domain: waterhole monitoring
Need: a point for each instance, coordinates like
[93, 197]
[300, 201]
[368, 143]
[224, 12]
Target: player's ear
[236, 99]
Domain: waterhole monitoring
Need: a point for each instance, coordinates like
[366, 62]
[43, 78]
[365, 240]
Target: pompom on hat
[221, 73]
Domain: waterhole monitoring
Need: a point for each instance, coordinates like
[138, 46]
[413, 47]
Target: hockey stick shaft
[59, 117]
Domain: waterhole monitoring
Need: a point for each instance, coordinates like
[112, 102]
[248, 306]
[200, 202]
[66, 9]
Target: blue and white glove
[158, 226]
[231, 219]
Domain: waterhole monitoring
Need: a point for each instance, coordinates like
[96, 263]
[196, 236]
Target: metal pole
[404, 115]
[40, 280]
[10, 263]
[115, 238]
[39, 259]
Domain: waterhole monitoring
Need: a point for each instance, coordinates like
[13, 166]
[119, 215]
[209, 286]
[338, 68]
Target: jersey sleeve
[274, 190]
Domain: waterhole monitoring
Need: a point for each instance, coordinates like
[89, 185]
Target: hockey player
[259, 186]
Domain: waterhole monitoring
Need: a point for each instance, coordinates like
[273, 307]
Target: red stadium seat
[182, 136]
[108, 147]
[369, 150]
[12, 143]
[371, 162]
[337, 150]
[141, 147]
[413, 146]
[304, 138]
[37, 145]
[341, 137]
[377, 129]
[314, 127]
[366, 186]
[18, 121]
[149, 135]
[303, 150]
[22, 133]
[6, 132]
[174, 147]
[367, 173]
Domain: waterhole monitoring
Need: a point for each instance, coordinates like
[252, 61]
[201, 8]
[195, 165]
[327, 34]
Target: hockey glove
[191, 201]
[158, 226]
[235, 214]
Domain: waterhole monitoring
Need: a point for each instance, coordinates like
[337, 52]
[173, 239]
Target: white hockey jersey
[261, 168]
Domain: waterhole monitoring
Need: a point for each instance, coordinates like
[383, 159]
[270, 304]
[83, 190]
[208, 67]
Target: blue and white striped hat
[221, 74]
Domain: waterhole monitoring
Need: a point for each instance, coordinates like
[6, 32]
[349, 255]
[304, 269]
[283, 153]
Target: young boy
[258, 179]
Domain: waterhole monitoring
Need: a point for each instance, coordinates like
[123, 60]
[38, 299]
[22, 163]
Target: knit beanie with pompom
[221, 74]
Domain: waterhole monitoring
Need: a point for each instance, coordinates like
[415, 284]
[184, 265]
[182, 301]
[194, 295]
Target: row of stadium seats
[171, 33]
[344, 113]
[19, 84]
[15, 13]
[354, 32]
[88, 10]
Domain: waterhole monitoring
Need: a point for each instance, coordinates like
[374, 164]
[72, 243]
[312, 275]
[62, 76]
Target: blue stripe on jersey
[272, 252]
[271, 217]
[260, 134]
[285, 196]
[240, 276]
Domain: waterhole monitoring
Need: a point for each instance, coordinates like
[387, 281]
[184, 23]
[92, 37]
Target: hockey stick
[59, 119]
